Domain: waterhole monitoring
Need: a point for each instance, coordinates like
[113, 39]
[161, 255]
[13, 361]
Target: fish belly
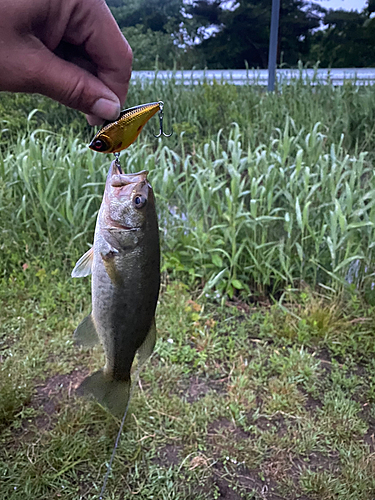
[123, 314]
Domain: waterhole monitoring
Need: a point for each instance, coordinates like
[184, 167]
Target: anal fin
[146, 349]
[85, 333]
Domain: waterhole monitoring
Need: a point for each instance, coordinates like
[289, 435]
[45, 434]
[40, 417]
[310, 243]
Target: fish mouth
[121, 180]
[119, 227]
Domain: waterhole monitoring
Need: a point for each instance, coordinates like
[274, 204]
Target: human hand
[70, 50]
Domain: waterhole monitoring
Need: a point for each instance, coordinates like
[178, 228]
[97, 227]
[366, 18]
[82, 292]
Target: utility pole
[272, 53]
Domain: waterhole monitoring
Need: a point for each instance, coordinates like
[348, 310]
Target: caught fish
[118, 135]
[125, 265]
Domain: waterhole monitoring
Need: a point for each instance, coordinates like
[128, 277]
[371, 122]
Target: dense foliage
[222, 34]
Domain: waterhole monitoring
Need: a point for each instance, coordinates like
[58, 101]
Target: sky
[342, 4]
[328, 4]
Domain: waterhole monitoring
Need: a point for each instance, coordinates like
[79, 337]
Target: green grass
[200, 111]
[232, 407]
[233, 219]
[262, 384]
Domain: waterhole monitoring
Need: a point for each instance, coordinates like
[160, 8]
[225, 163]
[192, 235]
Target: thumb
[71, 85]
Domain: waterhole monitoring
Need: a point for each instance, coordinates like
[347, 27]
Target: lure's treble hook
[161, 132]
[117, 161]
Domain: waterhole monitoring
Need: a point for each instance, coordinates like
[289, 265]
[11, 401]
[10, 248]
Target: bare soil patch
[50, 393]
[196, 388]
[168, 455]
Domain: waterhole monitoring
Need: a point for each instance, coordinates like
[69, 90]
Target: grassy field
[237, 402]
[262, 385]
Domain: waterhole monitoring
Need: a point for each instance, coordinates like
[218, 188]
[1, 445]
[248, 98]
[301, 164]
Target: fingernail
[106, 109]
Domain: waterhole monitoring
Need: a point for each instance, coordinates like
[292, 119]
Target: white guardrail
[361, 76]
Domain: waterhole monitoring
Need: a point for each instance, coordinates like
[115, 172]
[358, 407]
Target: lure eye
[98, 145]
[139, 201]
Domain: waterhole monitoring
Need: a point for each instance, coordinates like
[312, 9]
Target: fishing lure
[118, 135]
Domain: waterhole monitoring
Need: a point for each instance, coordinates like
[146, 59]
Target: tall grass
[234, 217]
[201, 110]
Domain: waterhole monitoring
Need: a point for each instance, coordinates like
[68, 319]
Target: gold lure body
[118, 135]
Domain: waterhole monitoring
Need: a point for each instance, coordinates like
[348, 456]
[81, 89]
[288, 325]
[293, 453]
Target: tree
[217, 34]
[239, 35]
[242, 32]
[151, 14]
[298, 20]
[156, 31]
[348, 40]
[151, 48]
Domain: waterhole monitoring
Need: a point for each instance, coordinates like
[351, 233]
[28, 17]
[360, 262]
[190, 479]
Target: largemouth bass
[118, 135]
[125, 265]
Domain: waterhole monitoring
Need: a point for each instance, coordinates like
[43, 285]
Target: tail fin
[114, 394]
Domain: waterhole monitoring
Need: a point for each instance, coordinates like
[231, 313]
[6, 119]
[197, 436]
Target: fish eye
[139, 201]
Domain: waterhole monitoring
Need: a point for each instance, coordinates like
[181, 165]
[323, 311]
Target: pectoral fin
[108, 253]
[85, 333]
[84, 265]
[146, 349]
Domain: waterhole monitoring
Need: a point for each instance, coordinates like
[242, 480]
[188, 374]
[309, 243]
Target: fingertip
[106, 109]
[94, 120]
